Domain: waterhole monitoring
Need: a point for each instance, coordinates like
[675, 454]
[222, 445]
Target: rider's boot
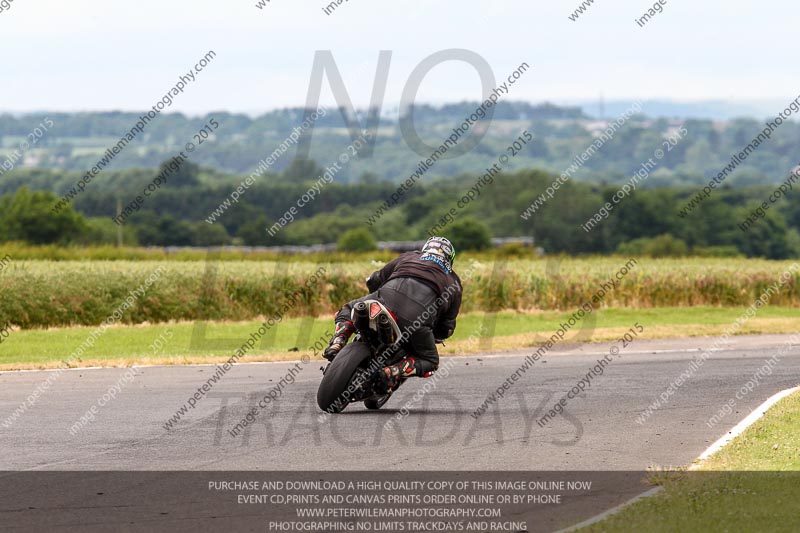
[392, 374]
[340, 337]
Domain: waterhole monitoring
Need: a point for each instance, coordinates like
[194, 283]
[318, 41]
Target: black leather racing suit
[416, 289]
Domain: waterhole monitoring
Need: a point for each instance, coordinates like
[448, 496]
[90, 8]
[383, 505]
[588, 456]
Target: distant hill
[709, 110]
[76, 141]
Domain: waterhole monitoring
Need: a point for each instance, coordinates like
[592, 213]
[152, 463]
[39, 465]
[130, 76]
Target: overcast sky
[114, 55]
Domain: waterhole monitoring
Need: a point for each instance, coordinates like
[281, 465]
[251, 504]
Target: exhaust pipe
[361, 317]
[384, 329]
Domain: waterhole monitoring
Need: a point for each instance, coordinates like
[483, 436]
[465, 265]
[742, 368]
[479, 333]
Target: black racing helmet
[441, 247]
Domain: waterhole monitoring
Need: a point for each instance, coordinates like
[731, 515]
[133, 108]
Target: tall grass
[35, 294]
[24, 251]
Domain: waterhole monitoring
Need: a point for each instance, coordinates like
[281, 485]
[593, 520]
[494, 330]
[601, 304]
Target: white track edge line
[613, 510]
[737, 430]
[321, 361]
[76, 368]
[748, 421]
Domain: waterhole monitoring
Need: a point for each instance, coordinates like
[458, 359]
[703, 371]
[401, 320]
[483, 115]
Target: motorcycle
[353, 376]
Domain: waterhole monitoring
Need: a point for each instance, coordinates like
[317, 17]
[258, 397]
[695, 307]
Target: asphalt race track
[57, 475]
[598, 430]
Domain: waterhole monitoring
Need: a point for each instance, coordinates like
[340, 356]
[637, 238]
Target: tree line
[560, 133]
[646, 221]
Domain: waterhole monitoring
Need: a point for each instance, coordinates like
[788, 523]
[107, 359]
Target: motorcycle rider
[409, 285]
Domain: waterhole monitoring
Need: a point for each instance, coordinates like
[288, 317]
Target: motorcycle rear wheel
[332, 394]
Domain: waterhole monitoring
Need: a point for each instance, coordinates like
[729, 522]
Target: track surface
[599, 431]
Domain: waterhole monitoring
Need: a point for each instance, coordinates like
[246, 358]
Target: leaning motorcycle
[353, 376]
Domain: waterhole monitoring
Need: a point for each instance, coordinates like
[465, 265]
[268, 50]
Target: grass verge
[476, 332]
[752, 484]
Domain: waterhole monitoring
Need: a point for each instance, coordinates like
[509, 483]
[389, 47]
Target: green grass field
[48, 307]
[42, 294]
[752, 484]
[476, 332]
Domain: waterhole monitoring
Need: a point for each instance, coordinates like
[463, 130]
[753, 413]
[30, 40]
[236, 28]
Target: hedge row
[37, 294]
